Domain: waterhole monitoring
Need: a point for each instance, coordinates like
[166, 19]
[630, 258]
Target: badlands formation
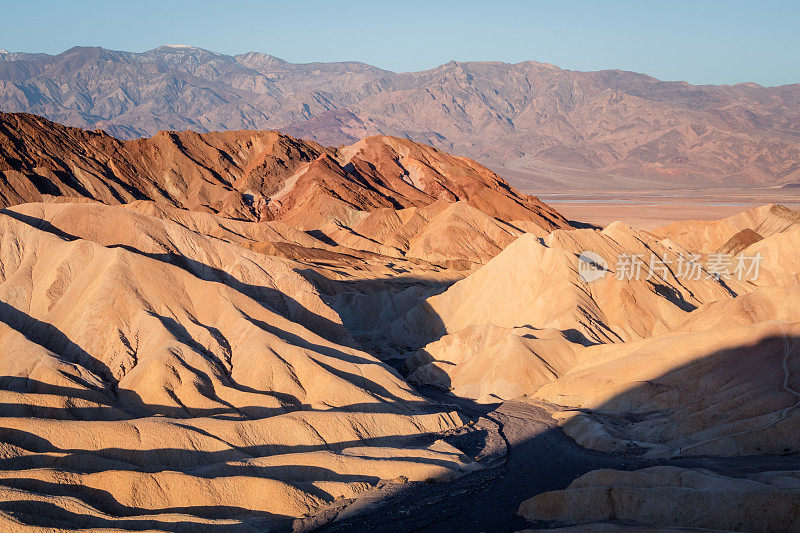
[242, 331]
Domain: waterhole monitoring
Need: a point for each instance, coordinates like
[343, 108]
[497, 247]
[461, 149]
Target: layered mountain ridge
[497, 113]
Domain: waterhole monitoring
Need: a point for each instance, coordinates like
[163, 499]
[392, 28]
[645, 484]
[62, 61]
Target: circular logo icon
[591, 266]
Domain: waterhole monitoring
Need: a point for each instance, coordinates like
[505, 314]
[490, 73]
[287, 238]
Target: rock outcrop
[611, 500]
[732, 234]
[537, 282]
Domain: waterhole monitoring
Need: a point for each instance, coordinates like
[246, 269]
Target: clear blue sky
[701, 41]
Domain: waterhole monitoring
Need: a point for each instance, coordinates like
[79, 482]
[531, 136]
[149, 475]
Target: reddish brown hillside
[254, 175]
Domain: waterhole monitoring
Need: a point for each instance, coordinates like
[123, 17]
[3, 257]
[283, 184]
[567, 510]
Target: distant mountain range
[507, 116]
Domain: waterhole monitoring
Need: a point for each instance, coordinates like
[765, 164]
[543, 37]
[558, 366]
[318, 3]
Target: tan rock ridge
[732, 234]
[491, 363]
[779, 259]
[726, 391]
[535, 282]
[611, 500]
[692, 342]
[151, 368]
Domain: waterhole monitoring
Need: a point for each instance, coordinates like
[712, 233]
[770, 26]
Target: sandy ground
[641, 201]
[650, 209]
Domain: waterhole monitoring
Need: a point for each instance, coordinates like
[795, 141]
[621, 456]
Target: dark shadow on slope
[583, 225]
[38, 223]
[272, 299]
[197, 462]
[105, 502]
[385, 300]
[321, 236]
[113, 403]
[281, 303]
[543, 458]
[540, 457]
[48, 515]
[673, 296]
[54, 340]
[127, 405]
[296, 340]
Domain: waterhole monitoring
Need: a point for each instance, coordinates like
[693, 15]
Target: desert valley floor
[244, 331]
[650, 209]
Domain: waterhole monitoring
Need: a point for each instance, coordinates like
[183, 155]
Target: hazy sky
[698, 41]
